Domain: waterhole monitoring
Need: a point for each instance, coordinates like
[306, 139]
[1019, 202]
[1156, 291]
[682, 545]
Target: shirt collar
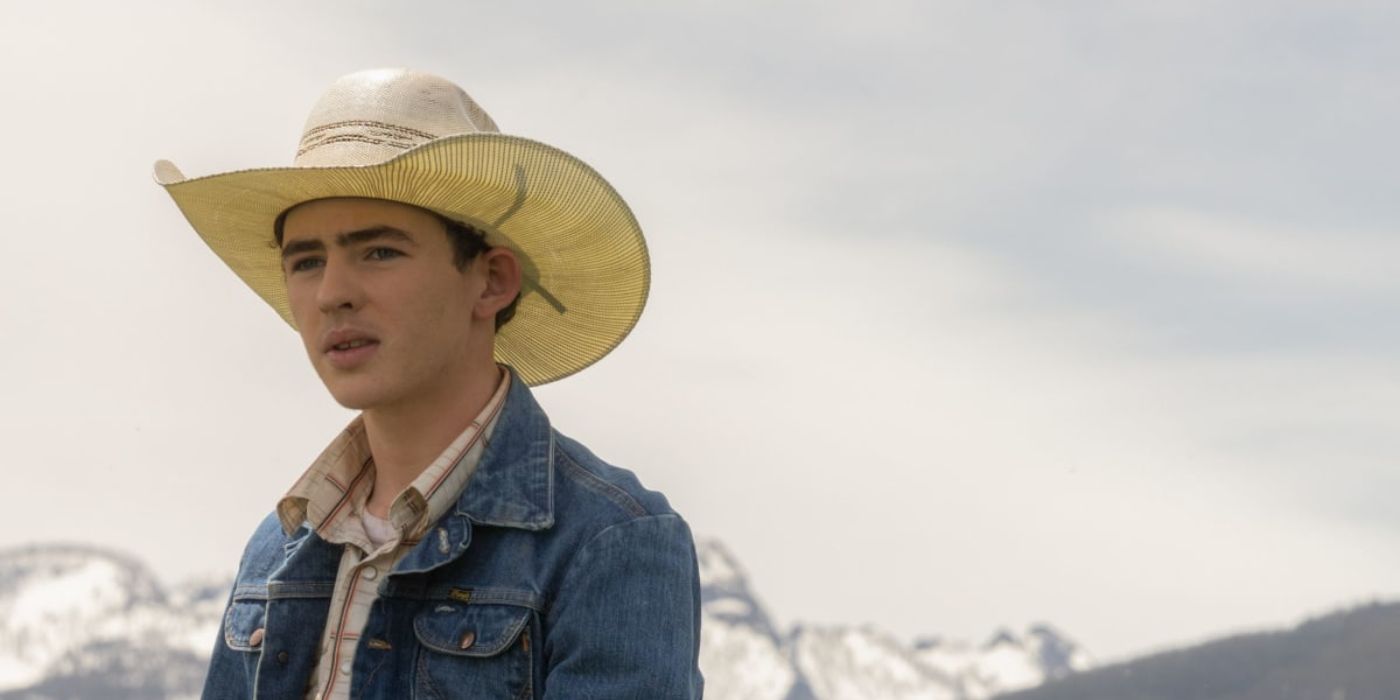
[339, 481]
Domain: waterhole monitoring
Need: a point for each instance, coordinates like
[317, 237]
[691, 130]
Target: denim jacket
[556, 576]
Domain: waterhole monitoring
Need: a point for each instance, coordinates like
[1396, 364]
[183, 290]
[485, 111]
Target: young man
[449, 543]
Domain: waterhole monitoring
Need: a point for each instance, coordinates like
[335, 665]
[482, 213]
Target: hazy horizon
[963, 316]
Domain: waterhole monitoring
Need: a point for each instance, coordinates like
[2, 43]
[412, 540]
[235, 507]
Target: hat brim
[587, 267]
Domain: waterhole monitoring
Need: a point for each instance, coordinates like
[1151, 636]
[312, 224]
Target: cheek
[308, 334]
[439, 321]
[442, 329]
[443, 306]
[298, 294]
[307, 338]
[305, 322]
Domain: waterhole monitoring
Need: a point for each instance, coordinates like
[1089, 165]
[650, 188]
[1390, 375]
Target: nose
[339, 287]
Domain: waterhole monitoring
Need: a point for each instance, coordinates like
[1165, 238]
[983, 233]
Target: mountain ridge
[1347, 654]
[83, 621]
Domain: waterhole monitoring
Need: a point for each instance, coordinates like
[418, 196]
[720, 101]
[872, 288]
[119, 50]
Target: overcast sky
[965, 314]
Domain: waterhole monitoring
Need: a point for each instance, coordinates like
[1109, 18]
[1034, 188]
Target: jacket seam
[605, 488]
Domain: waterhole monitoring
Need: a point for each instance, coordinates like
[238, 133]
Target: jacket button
[256, 637]
[282, 657]
[468, 640]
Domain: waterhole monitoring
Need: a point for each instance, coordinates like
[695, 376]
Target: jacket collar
[513, 485]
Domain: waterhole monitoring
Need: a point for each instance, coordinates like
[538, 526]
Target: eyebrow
[347, 239]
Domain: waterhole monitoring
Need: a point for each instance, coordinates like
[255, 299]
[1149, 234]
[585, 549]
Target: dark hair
[467, 242]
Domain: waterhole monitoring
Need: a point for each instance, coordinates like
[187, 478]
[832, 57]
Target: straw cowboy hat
[419, 139]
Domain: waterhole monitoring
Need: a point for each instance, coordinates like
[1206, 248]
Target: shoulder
[630, 570]
[615, 527]
[589, 488]
[265, 549]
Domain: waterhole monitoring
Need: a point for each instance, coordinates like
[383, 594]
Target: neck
[405, 438]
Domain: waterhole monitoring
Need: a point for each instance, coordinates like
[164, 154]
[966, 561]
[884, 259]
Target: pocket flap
[244, 617]
[478, 629]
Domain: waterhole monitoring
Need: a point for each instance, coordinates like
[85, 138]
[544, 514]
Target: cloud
[1273, 255]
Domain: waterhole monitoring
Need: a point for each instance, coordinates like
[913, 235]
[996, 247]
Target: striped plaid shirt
[331, 497]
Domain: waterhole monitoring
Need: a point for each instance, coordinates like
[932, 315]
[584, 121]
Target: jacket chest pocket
[472, 651]
[243, 624]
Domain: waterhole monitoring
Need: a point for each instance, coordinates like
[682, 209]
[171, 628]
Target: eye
[303, 264]
[382, 254]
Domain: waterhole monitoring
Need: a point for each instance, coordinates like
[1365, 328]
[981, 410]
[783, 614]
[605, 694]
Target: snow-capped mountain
[78, 621]
[81, 622]
[744, 657]
[1005, 662]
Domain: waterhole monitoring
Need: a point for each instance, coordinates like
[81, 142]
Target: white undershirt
[379, 530]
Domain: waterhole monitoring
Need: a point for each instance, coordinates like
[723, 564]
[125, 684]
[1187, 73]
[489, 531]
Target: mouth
[349, 345]
[349, 350]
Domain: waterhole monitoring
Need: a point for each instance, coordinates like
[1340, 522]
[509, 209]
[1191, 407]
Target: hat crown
[371, 116]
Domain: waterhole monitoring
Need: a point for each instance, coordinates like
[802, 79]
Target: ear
[502, 271]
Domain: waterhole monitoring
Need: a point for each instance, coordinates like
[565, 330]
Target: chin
[352, 400]
[355, 395]
[353, 403]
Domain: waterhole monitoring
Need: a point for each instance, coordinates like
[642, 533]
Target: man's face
[384, 313]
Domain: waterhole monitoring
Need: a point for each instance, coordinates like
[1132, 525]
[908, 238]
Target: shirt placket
[351, 609]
